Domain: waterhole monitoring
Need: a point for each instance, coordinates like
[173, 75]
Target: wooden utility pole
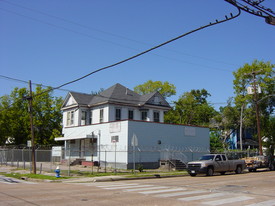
[255, 88]
[32, 130]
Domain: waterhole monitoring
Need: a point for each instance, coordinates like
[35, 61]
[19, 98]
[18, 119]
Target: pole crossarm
[255, 8]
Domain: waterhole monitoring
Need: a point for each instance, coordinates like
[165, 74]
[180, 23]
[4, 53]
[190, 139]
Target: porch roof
[70, 138]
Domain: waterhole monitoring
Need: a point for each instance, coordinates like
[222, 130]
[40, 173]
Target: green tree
[15, 120]
[191, 108]
[264, 77]
[164, 88]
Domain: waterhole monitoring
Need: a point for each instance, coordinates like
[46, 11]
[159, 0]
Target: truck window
[223, 157]
[207, 157]
[218, 158]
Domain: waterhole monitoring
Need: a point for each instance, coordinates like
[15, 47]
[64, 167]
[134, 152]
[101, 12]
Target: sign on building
[57, 151]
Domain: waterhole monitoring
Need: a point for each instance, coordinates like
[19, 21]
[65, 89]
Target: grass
[77, 173]
[32, 176]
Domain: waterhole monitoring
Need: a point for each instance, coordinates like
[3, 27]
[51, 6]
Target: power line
[153, 48]
[145, 52]
[91, 28]
[26, 82]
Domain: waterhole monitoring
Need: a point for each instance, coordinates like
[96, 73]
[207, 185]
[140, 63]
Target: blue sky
[53, 42]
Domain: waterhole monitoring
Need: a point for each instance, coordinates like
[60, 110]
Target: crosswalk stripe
[228, 200]
[181, 193]
[125, 187]
[161, 191]
[148, 188]
[201, 197]
[116, 185]
[265, 203]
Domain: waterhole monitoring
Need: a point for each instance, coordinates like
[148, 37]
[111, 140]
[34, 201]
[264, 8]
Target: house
[119, 127]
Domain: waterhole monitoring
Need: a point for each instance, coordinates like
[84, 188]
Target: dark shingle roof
[115, 94]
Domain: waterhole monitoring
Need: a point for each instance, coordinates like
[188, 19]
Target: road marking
[126, 186]
[201, 197]
[181, 193]
[148, 188]
[161, 191]
[118, 185]
[228, 200]
[265, 203]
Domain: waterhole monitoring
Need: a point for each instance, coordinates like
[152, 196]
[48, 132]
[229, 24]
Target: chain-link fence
[108, 158]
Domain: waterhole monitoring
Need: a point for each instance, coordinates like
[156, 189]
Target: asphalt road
[253, 189]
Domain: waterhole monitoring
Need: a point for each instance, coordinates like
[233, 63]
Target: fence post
[105, 161]
[69, 162]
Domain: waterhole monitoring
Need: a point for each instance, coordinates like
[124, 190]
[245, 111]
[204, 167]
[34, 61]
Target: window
[131, 114]
[118, 114]
[101, 115]
[91, 117]
[156, 116]
[144, 115]
[70, 118]
[83, 117]
[114, 139]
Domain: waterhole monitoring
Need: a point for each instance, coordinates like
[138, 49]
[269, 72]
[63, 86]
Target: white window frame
[70, 118]
[101, 115]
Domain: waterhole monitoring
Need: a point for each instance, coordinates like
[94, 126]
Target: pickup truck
[211, 163]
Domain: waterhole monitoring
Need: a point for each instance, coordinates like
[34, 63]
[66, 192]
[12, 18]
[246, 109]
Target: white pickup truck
[210, 163]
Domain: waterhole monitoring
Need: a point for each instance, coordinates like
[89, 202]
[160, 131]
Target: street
[252, 189]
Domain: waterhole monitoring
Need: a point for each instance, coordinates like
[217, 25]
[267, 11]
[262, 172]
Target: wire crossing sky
[56, 42]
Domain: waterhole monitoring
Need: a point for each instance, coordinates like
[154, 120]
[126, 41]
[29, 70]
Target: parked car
[256, 162]
[211, 163]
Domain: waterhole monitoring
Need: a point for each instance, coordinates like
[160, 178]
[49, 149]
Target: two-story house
[105, 127]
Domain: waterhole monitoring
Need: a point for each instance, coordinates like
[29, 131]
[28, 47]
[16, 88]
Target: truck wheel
[238, 170]
[193, 174]
[222, 173]
[210, 171]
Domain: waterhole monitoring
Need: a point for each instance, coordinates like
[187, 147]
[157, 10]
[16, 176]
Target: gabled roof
[117, 94]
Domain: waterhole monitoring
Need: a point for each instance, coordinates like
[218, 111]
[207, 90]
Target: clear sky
[53, 42]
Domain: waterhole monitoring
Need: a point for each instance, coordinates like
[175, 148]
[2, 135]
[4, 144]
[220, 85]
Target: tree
[15, 120]
[164, 88]
[191, 108]
[264, 77]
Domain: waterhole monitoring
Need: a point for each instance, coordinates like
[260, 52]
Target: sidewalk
[79, 179]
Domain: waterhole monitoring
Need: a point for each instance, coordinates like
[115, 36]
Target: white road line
[228, 200]
[201, 197]
[149, 188]
[124, 187]
[161, 191]
[118, 185]
[265, 203]
[181, 193]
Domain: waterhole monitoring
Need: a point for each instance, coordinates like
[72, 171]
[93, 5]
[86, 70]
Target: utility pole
[255, 88]
[241, 128]
[32, 130]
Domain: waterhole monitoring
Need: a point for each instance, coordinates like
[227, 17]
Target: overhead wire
[104, 32]
[144, 52]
